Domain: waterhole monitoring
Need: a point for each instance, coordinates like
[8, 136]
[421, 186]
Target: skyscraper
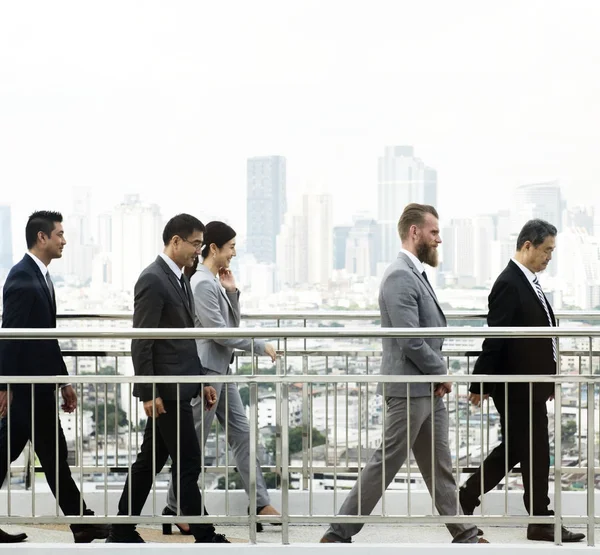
[136, 240]
[6, 252]
[297, 263]
[340, 236]
[81, 249]
[402, 179]
[266, 205]
[361, 247]
[538, 200]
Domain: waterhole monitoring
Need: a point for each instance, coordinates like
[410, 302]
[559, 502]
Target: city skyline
[171, 113]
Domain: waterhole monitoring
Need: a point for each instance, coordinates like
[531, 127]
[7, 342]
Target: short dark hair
[218, 233]
[182, 225]
[414, 214]
[42, 220]
[535, 231]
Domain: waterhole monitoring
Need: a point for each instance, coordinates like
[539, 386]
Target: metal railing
[303, 385]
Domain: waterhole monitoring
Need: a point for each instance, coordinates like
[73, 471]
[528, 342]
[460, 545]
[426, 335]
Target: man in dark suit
[29, 302]
[163, 299]
[517, 299]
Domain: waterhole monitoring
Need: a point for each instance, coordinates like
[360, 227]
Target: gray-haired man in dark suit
[163, 299]
[407, 300]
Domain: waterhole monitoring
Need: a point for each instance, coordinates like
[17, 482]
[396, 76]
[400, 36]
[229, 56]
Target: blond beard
[427, 254]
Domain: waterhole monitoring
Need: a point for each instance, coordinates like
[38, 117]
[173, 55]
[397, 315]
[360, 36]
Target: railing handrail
[327, 315]
[302, 333]
[306, 378]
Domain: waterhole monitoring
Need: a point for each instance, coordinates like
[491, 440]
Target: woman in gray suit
[217, 305]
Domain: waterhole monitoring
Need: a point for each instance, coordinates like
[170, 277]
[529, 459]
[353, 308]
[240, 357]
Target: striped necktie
[540, 294]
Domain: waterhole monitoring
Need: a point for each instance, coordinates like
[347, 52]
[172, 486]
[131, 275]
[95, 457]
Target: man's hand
[227, 280]
[155, 407]
[270, 351]
[4, 402]
[442, 388]
[475, 399]
[69, 398]
[210, 397]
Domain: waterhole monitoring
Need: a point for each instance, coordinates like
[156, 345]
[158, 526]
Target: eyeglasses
[196, 244]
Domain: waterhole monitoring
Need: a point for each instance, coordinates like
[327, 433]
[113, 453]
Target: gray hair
[536, 232]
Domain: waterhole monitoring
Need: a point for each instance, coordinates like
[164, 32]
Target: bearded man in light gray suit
[407, 300]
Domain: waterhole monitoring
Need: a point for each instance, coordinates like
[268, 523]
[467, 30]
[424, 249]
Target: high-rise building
[580, 217]
[266, 205]
[402, 179]
[136, 233]
[80, 245]
[305, 244]
[340, 236]
[361, 248]
[578, 268]
[6, 250]
[538, 200]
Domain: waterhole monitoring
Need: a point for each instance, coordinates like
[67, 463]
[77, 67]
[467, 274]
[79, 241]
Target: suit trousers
[397, 435]
[43, 434]
[516, 442]
[187, 457]
[231, 415]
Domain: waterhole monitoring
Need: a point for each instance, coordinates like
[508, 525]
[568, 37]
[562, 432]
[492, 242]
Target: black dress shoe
[91, 532]
[167, 528]
[545, 533]
[5, 537]
[215, 538]
[132, 537]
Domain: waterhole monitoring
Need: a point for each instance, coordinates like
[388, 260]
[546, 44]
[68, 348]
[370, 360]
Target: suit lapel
[531, 288]
[425, 282]
[209, 275]
[43, 285]
[172, 278]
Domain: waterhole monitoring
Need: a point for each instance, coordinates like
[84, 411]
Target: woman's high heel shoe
[167, 528]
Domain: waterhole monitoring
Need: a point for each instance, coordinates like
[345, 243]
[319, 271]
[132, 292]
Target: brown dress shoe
[482, 540]
[328, 539]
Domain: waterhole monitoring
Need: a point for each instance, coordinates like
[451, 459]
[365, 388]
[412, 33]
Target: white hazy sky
[168, 99]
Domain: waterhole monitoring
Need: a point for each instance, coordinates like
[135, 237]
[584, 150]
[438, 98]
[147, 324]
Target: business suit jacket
[27, 303]
[217, 308]
[514, 302]
[160, 302]
[406, 300]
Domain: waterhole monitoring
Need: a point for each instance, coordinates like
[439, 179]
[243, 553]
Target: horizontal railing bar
[302, 378]
[327, 315]
[303, 333]
[315, 353]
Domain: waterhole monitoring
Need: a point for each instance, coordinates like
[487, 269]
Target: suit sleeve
[147, 310]
[401, 301]
[208, 311]
[18, 301]
[503, 303]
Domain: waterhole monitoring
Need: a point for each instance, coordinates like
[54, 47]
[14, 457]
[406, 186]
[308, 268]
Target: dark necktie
[540, 294]
[50, 285]
[424, 274]
[185, 289]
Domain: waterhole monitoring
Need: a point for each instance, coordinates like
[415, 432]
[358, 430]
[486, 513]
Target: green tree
[120, 417]
[568, 432]
[295, 441]
[455, 365]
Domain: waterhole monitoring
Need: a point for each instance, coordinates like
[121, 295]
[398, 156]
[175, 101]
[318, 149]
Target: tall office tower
[317, 212]
[104, 239]
[580, 217]
[266, 205]
[340, 236]
[538, 200]
[361, 247]
[292, 252]
[6, 250]
[458, 249]
[80, 245]
[137, 230]
[305, 244]
[402, 179]
[578, 268]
